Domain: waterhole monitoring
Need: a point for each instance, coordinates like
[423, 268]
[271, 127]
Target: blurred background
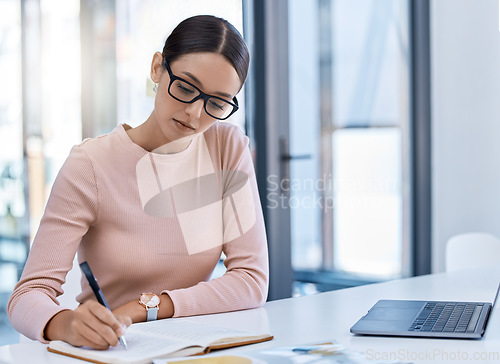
[373, 124]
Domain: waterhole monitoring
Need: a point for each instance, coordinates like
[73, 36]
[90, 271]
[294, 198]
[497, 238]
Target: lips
[186, 125]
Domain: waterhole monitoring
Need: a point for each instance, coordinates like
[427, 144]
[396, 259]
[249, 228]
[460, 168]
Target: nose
[195, 109]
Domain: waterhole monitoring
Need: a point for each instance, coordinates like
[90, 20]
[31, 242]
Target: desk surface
[328, 316]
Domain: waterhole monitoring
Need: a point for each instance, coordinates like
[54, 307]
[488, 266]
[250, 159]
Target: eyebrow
[195, 79]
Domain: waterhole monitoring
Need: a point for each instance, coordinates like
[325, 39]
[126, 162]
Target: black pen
[98, 293]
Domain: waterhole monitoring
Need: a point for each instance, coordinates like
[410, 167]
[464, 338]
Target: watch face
[150, 299]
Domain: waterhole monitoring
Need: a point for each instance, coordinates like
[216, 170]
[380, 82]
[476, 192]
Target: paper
[226, 359]
[300, 354]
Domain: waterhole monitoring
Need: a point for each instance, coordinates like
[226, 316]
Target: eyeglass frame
[201, 95]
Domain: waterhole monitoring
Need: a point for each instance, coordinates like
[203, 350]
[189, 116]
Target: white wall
[465, 41]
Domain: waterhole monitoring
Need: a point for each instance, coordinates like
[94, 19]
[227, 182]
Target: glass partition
[349, 140]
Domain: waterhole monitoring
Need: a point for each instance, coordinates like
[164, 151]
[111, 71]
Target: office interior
[373, 124]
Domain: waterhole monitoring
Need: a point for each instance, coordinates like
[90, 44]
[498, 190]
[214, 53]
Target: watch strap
[152, 313]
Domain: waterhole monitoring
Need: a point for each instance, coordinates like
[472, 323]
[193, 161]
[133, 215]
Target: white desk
[326, 316]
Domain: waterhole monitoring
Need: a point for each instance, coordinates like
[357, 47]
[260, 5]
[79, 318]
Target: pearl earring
[155, 88]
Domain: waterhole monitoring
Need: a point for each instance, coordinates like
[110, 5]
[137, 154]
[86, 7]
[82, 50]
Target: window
[39, 122]
[349, 140]
[12, 187]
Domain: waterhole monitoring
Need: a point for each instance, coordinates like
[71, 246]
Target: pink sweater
[149, 222]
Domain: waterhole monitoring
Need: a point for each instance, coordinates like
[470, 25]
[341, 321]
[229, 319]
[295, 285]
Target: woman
[152, 208]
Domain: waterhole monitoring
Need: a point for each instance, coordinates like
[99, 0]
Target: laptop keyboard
[447, 317]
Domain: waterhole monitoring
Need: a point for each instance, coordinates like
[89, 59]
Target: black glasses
[184, 91]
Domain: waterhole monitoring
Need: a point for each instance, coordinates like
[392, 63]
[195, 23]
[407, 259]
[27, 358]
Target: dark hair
[207, 33]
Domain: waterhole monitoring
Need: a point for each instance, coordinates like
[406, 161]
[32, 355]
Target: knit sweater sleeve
[72, 207]
[245, 283]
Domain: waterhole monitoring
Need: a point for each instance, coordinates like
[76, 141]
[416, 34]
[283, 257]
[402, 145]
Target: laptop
[430, 319]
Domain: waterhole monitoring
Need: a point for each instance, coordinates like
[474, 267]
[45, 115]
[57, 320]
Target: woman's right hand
[91, 324]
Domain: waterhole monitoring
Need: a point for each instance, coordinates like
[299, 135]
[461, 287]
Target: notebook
[431, 319]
